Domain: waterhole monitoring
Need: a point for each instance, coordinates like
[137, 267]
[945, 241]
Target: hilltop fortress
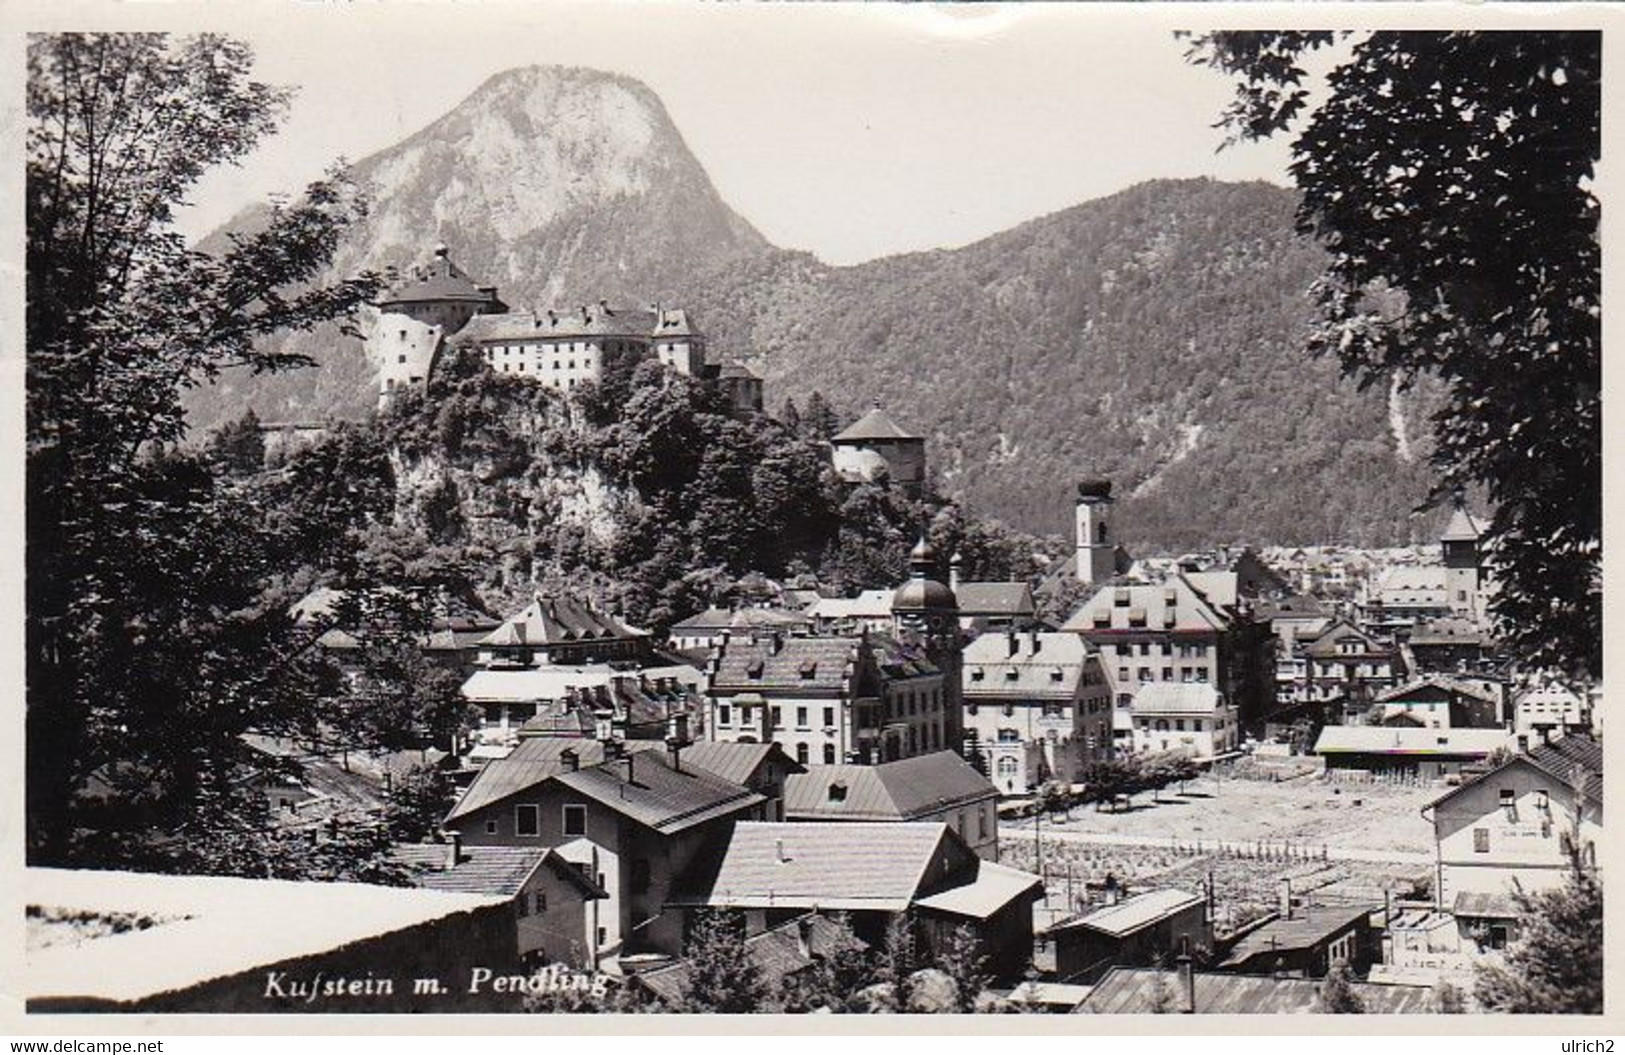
[438, 307]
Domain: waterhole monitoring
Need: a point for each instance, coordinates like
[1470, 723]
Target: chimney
[1033, 635]
[804, 936]
[954, 564]
[631, 772]
[1286, 897]
[777, 642]
[677, 738]
[778, 847]
[454, 848]
[571, 759]
[1187, 980]
[1014, 644]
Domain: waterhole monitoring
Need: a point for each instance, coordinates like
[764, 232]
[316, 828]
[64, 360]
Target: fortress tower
[418, 315]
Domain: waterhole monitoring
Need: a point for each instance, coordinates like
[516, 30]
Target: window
[522, 902]
[541, 902]
[981, 822]
[1009, 736]
[491, 826]
[801, 753]
[801, 717]
[1481, 840]
[1007, 766]
[526, 820]
[970, 708]
[829, 754]
[778, 717]
[724, 714]
[1009, 710]
[575, 820]
[829, 717]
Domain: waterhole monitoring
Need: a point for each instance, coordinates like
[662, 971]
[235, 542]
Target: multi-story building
[562, 631]
[1345, 663]
[1191, 719]
[564, 349]
[1549, 710]
[632, 823]
[1037, 707]
[1523, 823]
[939, 786]
[1172, 632]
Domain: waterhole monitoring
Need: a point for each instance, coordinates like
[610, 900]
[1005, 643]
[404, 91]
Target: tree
[239, 446]
[962, 960]
[1337, 995]
[155, 630]
[721, 978]
[1449, 176]
[1448, 999]
[1555, 966]
[418, 804]
[841, 969]
[896, 960]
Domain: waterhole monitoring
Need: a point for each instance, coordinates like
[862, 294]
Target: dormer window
[976, 673]
[809, 668]
[837, 791]
[754, 670]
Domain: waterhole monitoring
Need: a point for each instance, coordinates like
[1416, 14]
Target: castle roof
[601, 320]
[875, 425]
[440, 280]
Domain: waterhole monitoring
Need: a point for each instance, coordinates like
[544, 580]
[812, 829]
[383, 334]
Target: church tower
[1097, 548]
[927, 612]
[1463, 567]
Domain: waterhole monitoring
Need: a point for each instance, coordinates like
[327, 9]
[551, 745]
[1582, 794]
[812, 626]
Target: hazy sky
[853, 131]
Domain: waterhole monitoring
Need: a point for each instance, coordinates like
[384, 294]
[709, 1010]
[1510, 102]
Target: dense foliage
[157, 624]
[1449, 176]
[1556, 965]
[644, 491]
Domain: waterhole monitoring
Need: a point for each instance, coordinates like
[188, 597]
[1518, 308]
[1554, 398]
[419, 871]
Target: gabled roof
[995, 599]
[534, 684]
[905, 790]
[1443, 682]
[834, 866]
[773, 955]
[1574, 761]
[870, 604]
[1133, 914]
[532, 761]
[719, 619]
[993, 887]
[1171, 605]
[805, 663]
[736, 763]
[1397, 740]
[1326, 644]
[1137, 991]
[644, 788]
[991, 667]
[500, 871]
[1307, 928]
[1175, 697]
[1219, 587]
[875, 425]
[561, 620]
